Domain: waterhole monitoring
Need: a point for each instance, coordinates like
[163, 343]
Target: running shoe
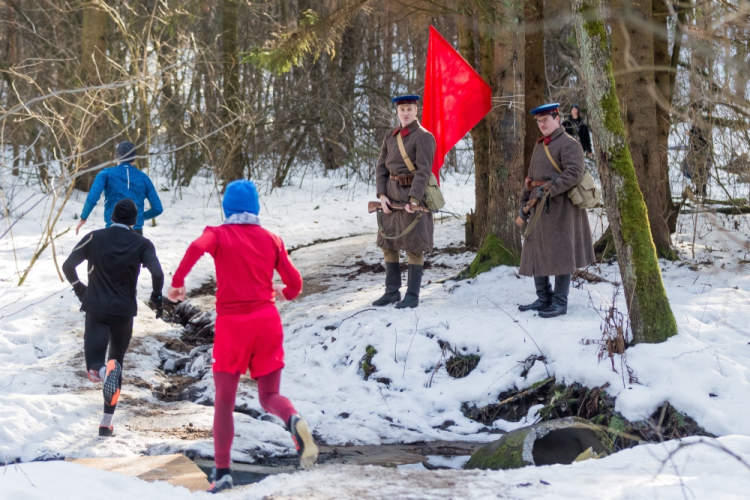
[303, 440]
[224, 483]
[94, 376]
[111, 388]
[106, 431]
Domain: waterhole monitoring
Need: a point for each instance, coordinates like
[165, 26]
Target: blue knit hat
[240, 196]
[125, 151]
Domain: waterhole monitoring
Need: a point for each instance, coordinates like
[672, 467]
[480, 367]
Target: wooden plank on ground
[177, 470]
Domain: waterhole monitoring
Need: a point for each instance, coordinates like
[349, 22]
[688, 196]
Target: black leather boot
[392, 285]
[543, 291]
[559, 304]
[413, 284]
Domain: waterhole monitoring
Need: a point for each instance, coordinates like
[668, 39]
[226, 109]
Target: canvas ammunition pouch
[404, 180]
[433, 198]
[586, 194]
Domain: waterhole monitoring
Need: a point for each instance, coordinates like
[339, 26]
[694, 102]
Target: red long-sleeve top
[245, 256]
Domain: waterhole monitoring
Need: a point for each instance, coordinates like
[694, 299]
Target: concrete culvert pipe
[558, 441]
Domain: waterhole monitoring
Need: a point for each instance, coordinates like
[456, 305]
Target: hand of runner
[279, 289]
[176, 294]
[80, 224]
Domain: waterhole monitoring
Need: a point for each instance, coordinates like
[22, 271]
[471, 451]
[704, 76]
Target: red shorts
[253, 341]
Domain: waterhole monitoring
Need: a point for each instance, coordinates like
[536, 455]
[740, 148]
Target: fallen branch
[526, 392]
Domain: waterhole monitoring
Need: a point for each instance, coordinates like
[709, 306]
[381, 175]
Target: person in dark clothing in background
[121, 182]
[576, 127]
[699, 161]
[114, 256]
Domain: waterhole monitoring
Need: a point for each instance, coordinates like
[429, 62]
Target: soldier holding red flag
[403, 172]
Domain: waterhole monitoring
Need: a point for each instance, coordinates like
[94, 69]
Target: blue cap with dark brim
[546, 109]
[405, 99]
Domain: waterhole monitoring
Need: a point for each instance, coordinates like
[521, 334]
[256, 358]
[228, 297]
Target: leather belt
[403, 180]
[533, 184]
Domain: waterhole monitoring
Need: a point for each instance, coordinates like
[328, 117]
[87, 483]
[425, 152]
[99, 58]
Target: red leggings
[226, 392]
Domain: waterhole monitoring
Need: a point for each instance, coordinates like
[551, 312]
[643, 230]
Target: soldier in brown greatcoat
[560, 242]
[396, 183]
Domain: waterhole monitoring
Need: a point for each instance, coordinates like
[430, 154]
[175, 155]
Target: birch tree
[651, 317]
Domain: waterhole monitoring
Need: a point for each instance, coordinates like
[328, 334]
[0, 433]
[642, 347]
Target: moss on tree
[492, 254]
[651, 316]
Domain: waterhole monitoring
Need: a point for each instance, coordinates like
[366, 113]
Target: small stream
[434, 455]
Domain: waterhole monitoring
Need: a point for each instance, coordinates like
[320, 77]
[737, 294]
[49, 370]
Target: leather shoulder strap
[552, 160]
[405, 156]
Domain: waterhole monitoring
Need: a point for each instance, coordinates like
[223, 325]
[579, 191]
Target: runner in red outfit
[248, 326]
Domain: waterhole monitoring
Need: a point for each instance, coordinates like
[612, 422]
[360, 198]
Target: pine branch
[313, 37]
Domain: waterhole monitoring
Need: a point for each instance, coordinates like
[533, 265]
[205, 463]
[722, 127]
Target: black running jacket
[114, 256]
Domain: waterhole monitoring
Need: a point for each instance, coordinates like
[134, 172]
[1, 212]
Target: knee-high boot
[414, 283]
[544, 294]
[559, 305]
[392, 285]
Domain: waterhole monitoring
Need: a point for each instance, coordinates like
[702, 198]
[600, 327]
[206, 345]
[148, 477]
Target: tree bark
[499, 138]
[664, 80]
[507, 132]
[476, 221]
[650, 315]
[536, 81]
[633, 64]
[93, 71]
[233, 162]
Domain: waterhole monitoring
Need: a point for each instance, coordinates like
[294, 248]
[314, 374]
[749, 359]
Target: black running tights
[102, 331]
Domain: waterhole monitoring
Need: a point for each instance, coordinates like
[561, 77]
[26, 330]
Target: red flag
[455, 97]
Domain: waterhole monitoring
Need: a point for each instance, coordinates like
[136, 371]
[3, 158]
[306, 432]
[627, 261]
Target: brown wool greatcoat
[420, 147]
[560, 242]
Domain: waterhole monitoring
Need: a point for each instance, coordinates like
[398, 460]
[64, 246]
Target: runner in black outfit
[114, 256]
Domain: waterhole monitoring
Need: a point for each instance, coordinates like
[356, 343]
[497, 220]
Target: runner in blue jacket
[118, 183]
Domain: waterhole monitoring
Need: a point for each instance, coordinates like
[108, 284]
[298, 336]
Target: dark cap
[125, 212]
[546, 109]
[125, 151]
[576, 106]
[405, 99]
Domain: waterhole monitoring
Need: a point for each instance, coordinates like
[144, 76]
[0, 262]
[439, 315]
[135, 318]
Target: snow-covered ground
[48, 408]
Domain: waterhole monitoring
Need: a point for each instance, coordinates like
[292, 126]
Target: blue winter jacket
[120, 182]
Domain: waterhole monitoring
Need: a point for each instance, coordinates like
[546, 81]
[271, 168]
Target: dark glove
[544, 189]
[523, 215]
[79, 289]
[156, 302]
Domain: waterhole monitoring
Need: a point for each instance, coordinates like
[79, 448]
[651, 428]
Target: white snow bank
[700, 469]
[63, 480]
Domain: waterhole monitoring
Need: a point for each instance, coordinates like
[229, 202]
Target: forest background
[275, 90]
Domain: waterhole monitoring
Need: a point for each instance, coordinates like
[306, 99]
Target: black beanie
[125, 212]
[125, 151]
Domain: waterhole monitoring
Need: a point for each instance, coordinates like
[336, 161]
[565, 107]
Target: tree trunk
[476, 221]
[507, 131]
[663, 78]
[93, 71]
[633, 63]
[536, 81]
[499, 138]
[650, 315]
[232, 159]
[11, 61]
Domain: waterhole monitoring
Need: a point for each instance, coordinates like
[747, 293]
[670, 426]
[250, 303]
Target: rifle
[374, 206]
[532, 202]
